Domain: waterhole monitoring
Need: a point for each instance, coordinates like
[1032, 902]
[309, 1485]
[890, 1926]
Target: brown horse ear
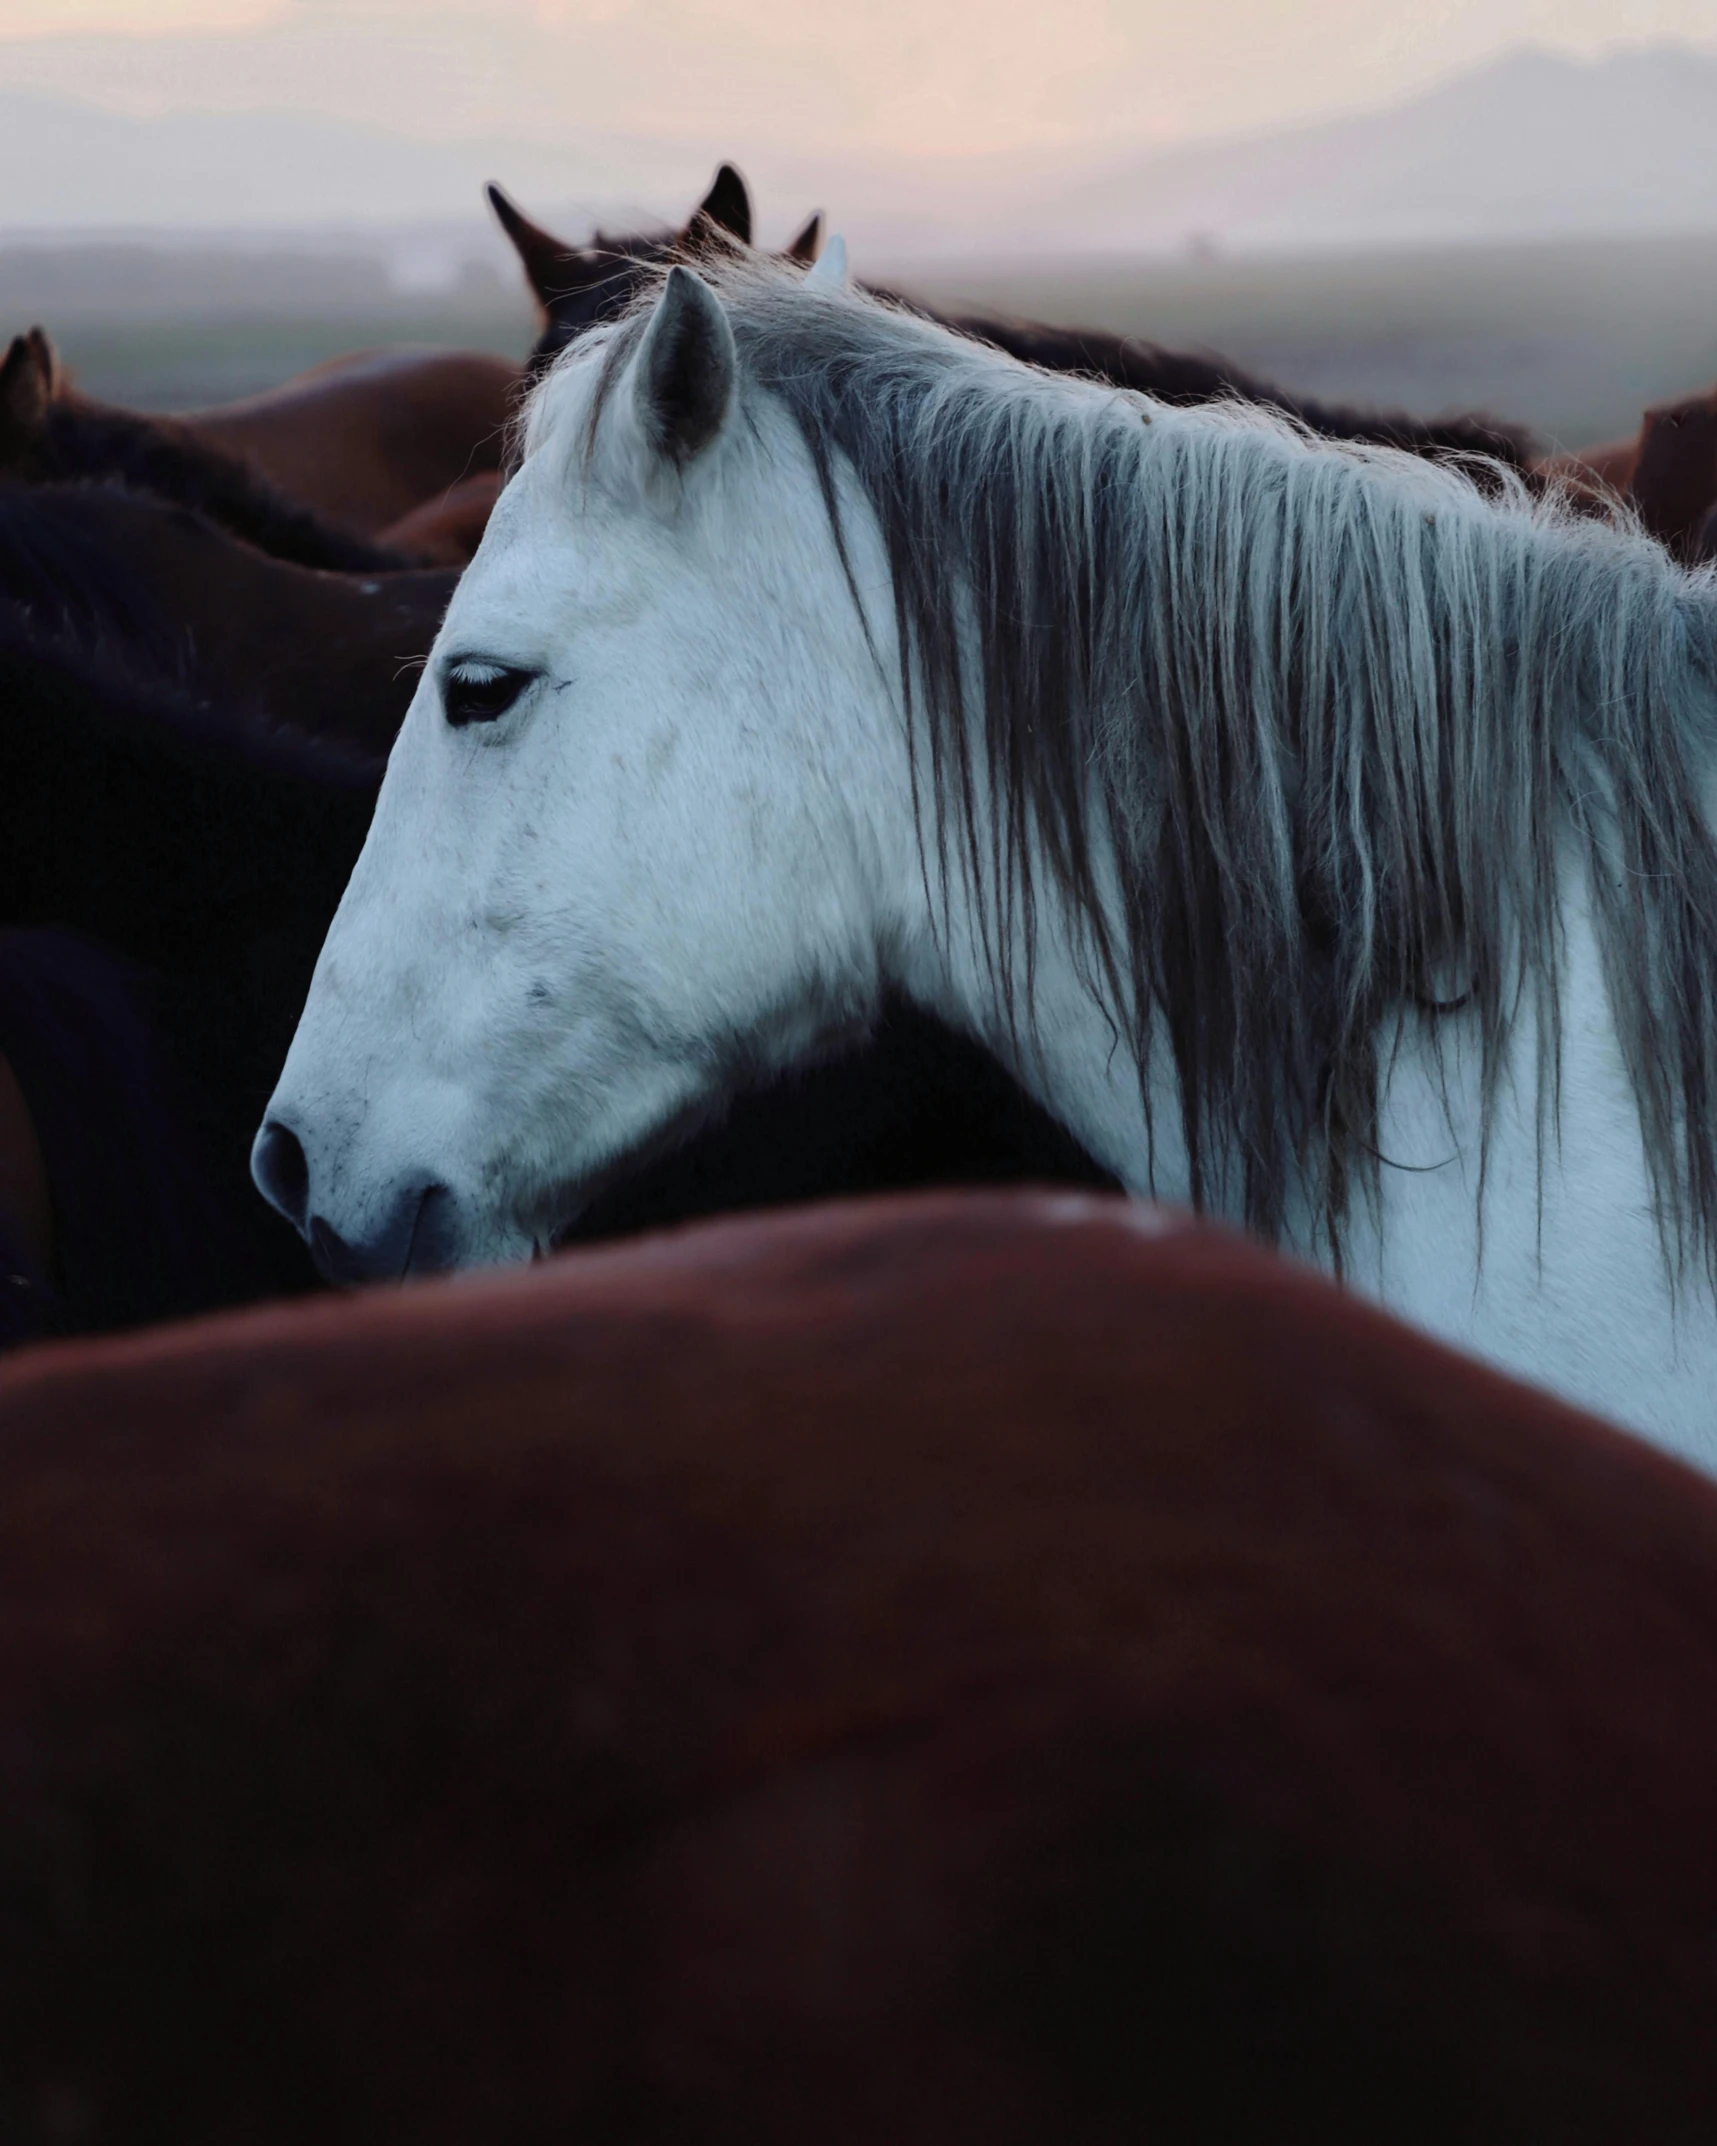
[544, 257]
[727, 206]
[804, 247]
[48, 359]
[28, 373]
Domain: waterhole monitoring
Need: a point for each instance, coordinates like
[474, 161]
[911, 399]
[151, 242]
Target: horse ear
[544, 257]
[48, 360]
[804, 247]
[831, 267]
[27, 379]
[726, 207]
[685, 369]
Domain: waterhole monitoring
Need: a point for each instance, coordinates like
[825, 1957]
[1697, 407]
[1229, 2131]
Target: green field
[1573, 339]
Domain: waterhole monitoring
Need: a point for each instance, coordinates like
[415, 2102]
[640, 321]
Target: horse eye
[474, 692]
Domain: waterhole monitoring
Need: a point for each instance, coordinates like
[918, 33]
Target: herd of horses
[1004, 1663]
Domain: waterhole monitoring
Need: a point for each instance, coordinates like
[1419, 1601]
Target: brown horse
[319, 470]
[957, 1670]
[1599, 475]
[1667, 472]
[1673, 483]
[374, 437]
[172, 847]
[49, 434]
[446, 530]
[576, 286]
[328, 654]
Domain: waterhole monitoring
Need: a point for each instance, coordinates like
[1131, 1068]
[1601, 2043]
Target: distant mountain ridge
[66, 166]
[1534, 145]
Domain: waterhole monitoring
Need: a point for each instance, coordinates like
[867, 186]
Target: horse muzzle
[413, 1230]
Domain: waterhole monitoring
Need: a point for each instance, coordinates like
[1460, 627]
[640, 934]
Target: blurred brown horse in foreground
[951, 1670]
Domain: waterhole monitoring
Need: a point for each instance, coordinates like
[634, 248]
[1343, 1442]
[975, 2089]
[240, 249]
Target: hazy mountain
[1535, 145]
[66, 166]
[1532, 146]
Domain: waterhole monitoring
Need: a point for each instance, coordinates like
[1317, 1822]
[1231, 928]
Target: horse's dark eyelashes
[477, 690]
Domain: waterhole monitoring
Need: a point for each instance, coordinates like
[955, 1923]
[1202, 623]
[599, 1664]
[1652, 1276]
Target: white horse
[1325, 838]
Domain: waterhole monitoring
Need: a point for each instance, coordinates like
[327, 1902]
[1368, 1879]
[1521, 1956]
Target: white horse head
[1285, 812]
[633, 844]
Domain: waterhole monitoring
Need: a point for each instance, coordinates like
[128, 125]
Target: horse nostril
[282, 1174]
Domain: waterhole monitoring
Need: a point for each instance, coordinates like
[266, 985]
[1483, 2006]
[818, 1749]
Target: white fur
[691, 849]
[831, 264]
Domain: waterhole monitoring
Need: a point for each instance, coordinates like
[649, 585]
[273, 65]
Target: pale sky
[877, 78]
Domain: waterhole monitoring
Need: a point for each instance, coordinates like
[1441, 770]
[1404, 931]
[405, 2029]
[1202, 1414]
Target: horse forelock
[1302, 736]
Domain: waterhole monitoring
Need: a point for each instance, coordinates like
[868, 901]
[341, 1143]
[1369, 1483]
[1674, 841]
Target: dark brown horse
[326, 654]
[26, 1210]
[953, 1671]
[1673, 483]
[51, 435]
[320, 653]
[1667, 473]
[578, 286]
[1183, 377]
[165, 877]
[169, 862]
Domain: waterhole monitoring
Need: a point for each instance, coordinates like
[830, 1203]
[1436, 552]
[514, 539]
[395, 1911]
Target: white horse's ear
[682, 381]
[831, 264]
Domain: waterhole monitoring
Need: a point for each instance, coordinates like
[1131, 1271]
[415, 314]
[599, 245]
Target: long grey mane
[1336, 723]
